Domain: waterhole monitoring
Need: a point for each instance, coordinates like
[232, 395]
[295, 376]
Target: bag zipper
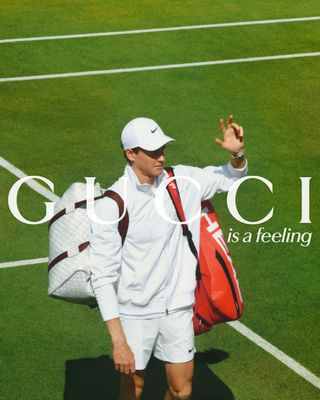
[233, 291]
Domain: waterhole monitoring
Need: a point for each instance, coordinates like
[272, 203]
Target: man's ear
[129, 155]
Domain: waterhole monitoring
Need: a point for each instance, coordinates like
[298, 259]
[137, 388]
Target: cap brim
[157, 144]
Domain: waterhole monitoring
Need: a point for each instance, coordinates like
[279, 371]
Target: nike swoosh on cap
[153, 130]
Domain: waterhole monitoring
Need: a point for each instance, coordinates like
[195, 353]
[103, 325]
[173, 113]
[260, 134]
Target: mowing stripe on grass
[21, 263]
[152, 30]
[158, 67]
[275, 352]
[31, 182]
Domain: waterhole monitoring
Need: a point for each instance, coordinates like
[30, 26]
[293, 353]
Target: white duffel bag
[69, 245]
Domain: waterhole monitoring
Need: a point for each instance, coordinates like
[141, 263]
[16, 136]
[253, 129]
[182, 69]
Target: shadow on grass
[96, 379]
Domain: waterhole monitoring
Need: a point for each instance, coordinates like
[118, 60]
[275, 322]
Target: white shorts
[170, 337]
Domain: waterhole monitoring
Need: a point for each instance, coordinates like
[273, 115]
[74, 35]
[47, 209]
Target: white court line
[278, 354]
[158, 67]
[31, 182]
[238, 326]
[174, 28]
[24, 262]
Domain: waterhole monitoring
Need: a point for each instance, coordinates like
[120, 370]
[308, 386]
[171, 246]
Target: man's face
[148, 163]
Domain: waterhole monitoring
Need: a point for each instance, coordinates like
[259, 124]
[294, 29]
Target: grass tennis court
[68, 128]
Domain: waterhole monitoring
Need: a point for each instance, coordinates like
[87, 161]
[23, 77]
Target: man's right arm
[105, 261]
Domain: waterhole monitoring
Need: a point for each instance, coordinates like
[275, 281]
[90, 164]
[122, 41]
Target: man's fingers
[127, 370]
[133, 366]
[229, 120]
[222, 126]
[236, 130]
[220, 142]
[126, 367]
[241, 134]
[132, 369]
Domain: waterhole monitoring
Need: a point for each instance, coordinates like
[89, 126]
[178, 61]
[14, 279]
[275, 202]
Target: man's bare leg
[179, 377]
[131, 385]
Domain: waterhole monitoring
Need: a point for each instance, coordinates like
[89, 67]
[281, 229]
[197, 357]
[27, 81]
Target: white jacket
[154, 272]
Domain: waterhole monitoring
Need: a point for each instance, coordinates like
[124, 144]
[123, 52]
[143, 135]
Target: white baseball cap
[144, 133]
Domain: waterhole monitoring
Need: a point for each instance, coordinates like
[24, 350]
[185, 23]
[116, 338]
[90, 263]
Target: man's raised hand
[233, 136]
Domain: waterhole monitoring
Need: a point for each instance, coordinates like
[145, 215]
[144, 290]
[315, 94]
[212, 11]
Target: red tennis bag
[217, 295]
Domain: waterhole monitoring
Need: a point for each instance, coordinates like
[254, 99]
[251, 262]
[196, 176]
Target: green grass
[65, 17]
[66, 129]
[59, 56]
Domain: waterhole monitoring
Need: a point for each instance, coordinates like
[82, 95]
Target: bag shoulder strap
[174, 194]
[124, 222]
[122, 225]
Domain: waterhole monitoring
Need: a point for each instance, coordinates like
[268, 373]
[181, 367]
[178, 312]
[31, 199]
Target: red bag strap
[174, 194]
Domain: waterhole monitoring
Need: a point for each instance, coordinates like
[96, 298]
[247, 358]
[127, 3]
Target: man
[145, 289]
